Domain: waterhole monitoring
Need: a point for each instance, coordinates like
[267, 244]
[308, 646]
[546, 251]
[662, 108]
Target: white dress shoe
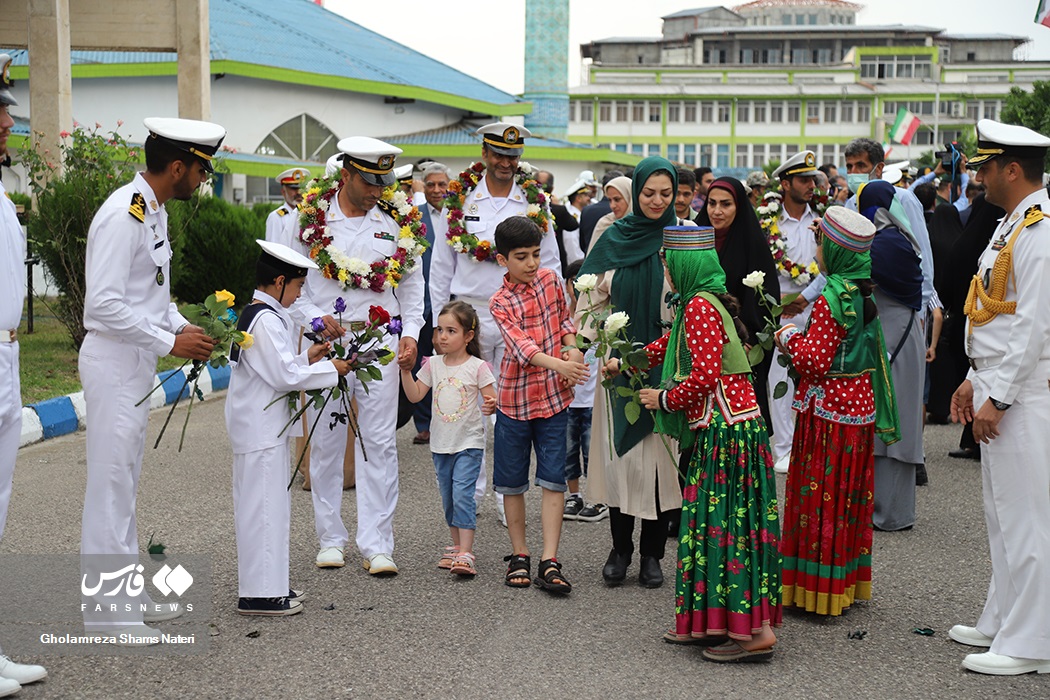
[969, 636]
[135, 636]
[381, 564]
[8, 687]
[23, 674]
[999, 665]
[781, 465]
[330, 558]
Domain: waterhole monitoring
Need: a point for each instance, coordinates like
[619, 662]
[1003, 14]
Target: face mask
[855, 180]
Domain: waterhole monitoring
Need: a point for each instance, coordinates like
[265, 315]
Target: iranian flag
[905, 127]
[1042, 13]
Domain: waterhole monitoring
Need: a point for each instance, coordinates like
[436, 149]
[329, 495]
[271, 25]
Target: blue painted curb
[172, 380]
[57, 416]
[220, 377]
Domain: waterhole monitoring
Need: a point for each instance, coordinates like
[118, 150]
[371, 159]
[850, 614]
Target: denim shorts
[456, 476]
[514, 441]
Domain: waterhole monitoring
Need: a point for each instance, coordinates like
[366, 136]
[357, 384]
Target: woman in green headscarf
[728, 579]
[636, 478]
[844, 400]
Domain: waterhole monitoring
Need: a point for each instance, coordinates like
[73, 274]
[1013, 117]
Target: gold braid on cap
[993, 300]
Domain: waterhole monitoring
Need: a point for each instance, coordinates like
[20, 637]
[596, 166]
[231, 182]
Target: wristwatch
[999, 405]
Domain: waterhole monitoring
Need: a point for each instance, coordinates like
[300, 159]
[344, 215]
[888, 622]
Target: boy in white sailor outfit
[282, 224]
[1005, 396]
[362, 230]
[12, 294]
[130, 322]
[255, 418]
[496, 197]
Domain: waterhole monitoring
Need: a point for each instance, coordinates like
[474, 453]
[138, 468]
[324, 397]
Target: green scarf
[864, 343]
[631, 247]
[695, 273]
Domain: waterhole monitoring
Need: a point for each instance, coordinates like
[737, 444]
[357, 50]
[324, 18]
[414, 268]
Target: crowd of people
[781, 328]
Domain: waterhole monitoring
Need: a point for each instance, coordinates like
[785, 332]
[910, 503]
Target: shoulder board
[282, 212]
[1033, 215]
[387, 208]
[138, 207]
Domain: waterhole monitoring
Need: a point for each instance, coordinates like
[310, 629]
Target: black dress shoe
[921, 477]
[966, 453]
[615, 570]
[650, 575]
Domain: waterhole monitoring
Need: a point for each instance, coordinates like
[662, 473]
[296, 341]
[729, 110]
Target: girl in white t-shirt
[457, 435]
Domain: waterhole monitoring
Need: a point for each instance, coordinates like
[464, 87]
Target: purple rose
[340, 305]
[394, 327]
[317, 325]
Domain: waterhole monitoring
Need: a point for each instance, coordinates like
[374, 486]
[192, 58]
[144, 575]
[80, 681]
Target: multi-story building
[737, 88]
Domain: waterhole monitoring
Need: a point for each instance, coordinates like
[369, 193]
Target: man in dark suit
[594, 211]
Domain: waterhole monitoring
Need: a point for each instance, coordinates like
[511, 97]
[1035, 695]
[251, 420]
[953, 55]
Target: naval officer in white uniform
[1007, 398]
[12, 294]
[362, 230]
[131, 322]
[282, 224]
[496, 197]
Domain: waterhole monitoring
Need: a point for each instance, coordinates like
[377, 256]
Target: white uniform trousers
[492, 350]
[780, 412]
[1016, 482]
[377, 487]
[262, 511]
[10, 423]
[115, 375]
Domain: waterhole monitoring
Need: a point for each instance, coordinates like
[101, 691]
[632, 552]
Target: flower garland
[354, 273]
[769, 217]
[467, 243]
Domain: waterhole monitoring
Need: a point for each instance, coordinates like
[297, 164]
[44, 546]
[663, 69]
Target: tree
[1030, 109]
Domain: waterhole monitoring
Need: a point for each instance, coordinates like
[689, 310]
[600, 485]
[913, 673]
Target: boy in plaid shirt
[539, 369]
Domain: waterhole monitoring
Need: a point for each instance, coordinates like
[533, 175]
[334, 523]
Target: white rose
[526, 167]
[405, 243]
[755, 279]
[762, 211]
[586, 283]
[616, 321]
[323, 205]
[532, 210]
[458, 247]
[803, 278]
[782, 244]
[399, 199]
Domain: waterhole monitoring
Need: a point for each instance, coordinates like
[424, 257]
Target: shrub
[213, 245]
[93, 166]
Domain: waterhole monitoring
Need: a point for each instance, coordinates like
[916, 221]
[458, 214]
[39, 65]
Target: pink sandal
[448, 557]
[463, 565]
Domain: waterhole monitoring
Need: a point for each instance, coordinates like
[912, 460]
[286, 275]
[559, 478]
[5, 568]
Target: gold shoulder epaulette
[386, 207]
[282, 212]
[138, 207]
[1033, 215]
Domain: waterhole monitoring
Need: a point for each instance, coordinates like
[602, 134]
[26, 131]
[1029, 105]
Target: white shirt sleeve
[442, 270]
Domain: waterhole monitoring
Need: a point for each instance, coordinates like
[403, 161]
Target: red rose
[379, 316]
[375, 283]
[478, 167]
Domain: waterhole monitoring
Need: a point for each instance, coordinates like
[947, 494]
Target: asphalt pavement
[426, 634]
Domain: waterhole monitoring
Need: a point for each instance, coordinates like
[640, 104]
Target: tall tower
[547, 66]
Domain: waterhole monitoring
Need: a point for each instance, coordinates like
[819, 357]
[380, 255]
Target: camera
[948, 155]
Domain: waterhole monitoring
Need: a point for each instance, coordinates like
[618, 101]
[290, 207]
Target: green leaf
[764, 337]
[637, 358]
[755, 355]
[783, 360]
[632, 412]
[789, 298]
[624, 392]
[362, 375]
[374, 372]
[780, 389]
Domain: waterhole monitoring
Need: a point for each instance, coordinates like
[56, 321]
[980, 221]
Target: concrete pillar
[192, 45]
[50, 77]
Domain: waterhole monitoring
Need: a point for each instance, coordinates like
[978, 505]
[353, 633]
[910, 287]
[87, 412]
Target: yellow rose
[795, 272]
[246, 340]
[224, 296]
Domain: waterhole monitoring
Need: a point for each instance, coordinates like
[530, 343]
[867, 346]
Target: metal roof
[695, 11]
[318, 41]
[770, 4]
[462, 134]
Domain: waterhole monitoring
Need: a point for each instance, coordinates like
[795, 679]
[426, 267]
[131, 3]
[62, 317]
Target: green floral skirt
[728, 578]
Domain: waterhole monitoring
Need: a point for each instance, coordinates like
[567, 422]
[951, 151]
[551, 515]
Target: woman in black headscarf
[945, 227]
[742, 249]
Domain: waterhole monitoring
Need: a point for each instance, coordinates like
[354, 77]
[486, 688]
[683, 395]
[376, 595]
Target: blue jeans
[456, 475]
[514, 441]
[578, 443]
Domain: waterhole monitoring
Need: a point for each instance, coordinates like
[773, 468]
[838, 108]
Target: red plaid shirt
[532, 318]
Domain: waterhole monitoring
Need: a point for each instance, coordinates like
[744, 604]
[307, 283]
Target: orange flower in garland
[354, 273]
[467, 243]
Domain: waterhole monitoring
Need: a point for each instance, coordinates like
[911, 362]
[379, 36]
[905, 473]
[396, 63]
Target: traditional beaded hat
[847, 228]
[689, 238]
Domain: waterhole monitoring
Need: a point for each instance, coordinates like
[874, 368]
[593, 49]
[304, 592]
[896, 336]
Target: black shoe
[594, 513]
[573, 506]
[921, 477]
[268, 606]
[615, 570]
[966, 453]
[673, 526]
[650, 575]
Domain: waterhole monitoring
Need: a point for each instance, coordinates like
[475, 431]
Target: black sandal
[519, 568]
[550, 578]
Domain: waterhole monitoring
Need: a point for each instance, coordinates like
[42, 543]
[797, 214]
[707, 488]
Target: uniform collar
[335, 212]
[273, 304]
[152, 208]
[481, 192]
[807, 214]
[1039, 196]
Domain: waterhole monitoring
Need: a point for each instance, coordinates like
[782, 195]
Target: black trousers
[653, 540]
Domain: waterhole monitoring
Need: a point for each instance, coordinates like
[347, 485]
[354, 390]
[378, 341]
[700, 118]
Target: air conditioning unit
[958, 110]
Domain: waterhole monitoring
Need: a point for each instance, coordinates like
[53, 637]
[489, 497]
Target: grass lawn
[48, 360]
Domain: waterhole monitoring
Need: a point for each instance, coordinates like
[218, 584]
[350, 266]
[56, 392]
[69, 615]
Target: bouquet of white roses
[774, 308]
